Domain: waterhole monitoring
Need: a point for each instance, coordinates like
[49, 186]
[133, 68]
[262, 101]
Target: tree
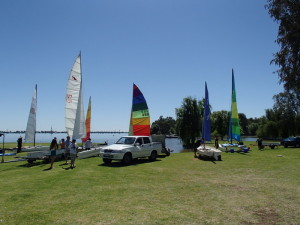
[163, 126]
[220, 122]
[188, 121]
[287, 14]
[243, 123]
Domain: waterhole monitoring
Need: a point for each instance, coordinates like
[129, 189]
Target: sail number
[69, 98]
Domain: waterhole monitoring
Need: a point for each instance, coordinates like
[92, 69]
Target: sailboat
[31, 126]
[140, 118]
[234, 131]
[31, 123]
[94, 151]
[88, 122]
[74, 112]
[204, 150]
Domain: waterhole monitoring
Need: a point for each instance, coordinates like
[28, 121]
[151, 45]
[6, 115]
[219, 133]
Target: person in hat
[53, 148]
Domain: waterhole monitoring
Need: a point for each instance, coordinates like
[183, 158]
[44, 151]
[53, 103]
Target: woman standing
[53, 147]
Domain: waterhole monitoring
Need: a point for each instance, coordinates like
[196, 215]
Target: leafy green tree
[243, 123]
[220, 122]
[287, 14]
[188, 121]
[163, 126]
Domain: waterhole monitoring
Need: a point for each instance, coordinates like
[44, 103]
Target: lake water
[174, 144]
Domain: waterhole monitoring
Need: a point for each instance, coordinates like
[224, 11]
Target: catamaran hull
[89, 153]
[209, 152]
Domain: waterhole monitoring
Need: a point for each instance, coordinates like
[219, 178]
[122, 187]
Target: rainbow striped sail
[140, 118]
[88, 122]
[234, 125]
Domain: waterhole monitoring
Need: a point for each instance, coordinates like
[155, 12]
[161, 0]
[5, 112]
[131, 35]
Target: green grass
[255, 188]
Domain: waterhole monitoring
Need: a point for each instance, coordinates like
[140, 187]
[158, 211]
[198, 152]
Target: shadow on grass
[28, 165]
[135, 162]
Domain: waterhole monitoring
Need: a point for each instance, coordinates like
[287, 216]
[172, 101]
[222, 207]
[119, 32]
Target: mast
[35, 118]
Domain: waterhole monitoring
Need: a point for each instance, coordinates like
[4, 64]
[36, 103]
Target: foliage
[163, 126]
[220, 122]
[188, 121]
[287, 14]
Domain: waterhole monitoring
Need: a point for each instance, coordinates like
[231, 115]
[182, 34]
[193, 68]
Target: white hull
[209, 152]
[89, 153]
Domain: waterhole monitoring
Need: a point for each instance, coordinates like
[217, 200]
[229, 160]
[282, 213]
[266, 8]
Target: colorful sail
[31, 123]
[140, 118]
[206, 118]
[74, 112]
[234, 125]
[88, 122]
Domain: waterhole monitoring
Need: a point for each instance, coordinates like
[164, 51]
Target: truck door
[138, 148]
[147, 146]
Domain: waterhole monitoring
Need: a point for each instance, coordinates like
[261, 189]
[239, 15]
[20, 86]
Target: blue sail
[206, 118]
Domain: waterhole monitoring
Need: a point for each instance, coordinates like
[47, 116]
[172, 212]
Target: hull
[209, 152]
[89, 153]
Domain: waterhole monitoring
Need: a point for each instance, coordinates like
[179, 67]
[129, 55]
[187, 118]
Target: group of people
[70, 150]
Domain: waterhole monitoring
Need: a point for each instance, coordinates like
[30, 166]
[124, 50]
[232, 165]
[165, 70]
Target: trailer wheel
[30, 160]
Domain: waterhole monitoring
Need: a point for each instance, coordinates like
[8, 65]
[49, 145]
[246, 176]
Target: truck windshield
[126, 140]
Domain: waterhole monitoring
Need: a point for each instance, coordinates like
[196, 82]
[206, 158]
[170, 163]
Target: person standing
[216, 142]
[73, 151]
[53, 148]
[88, 144]
[19, 141]
[62, 144]
[67, 149]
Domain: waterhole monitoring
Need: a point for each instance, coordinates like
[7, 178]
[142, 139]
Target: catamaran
[31, 126]
[94, 151]
[234, 130]
[204, 150]
[140, 118]
[31, 123]
[74, 112]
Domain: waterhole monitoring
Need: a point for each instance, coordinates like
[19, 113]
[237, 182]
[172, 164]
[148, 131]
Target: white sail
[74, 112]
[31, 124]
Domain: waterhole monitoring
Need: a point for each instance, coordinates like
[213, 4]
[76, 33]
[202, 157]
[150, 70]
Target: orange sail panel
[88, 122]
[140, 118]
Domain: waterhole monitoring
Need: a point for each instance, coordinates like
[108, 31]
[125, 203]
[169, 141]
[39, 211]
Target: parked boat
[205, 151]
[31, 123]
[74, 112]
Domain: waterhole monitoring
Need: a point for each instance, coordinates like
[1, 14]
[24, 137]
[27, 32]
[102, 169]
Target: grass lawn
[259, 187]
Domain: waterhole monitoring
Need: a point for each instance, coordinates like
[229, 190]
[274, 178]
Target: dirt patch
[265, 217]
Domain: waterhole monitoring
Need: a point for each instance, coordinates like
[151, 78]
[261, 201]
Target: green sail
[234, 125]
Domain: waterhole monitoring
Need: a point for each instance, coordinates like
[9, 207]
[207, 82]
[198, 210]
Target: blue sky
[168, 48]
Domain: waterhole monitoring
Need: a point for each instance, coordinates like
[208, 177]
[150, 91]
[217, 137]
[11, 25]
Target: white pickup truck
[131, 147]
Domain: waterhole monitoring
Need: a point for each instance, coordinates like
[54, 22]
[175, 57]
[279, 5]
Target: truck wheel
[297, 145]
[127, 159]
[285, 145]
[153, 156]
[107, 161]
